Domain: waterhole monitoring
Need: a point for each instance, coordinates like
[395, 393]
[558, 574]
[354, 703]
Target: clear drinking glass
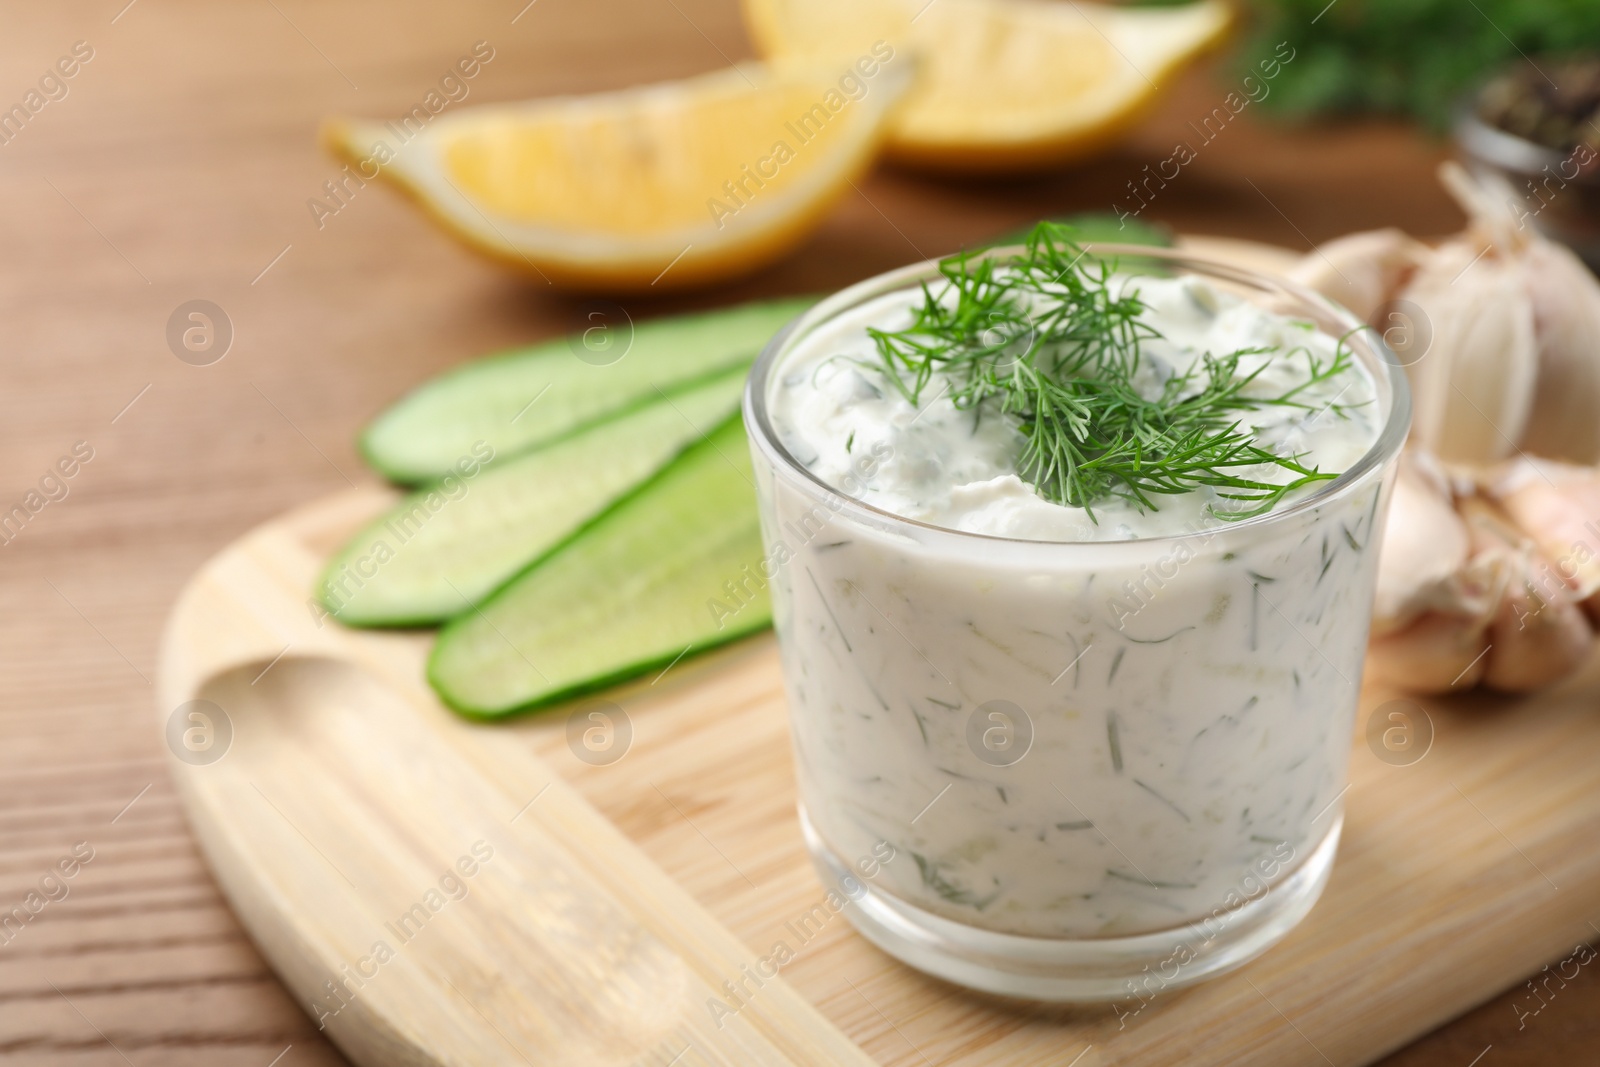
[1074, 771]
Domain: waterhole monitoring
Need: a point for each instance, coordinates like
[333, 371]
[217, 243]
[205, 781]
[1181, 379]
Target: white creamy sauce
[957, 469]
[1190, 699]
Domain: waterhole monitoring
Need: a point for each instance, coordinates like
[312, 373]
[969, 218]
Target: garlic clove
[1538, 635]
[1534, 640]
[1361, 270]
[1473, 378]
[1437, 653]
[1565, 421]
[1557, 506]
[1425, 548]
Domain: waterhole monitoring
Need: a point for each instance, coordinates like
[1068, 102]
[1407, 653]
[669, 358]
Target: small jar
[1074, 771]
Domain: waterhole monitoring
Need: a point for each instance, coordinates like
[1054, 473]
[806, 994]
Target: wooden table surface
[178, 167]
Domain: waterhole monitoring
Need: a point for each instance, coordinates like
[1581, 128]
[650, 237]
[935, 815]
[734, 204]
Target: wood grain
[179, 167]
[431, 890]
[1424, 916]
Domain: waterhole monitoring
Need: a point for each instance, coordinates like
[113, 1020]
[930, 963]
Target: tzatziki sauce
[1067, 725]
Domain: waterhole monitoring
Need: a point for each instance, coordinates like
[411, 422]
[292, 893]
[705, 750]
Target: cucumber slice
[531, 396]
[674, 568]
[444, 549]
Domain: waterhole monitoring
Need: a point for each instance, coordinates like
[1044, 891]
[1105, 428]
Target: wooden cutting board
[609, 901]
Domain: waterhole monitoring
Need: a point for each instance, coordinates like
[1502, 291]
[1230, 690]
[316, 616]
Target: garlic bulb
[1565, 422]
[1494, 578]
[1362, 270]
[1486, 579]
[1499, 329]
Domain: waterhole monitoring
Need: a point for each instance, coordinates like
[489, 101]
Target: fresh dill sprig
[1049, 339]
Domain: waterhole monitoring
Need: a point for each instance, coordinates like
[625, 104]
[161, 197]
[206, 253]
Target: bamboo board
[347, 791]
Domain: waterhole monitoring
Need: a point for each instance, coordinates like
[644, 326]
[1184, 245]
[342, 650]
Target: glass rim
[1368, 344]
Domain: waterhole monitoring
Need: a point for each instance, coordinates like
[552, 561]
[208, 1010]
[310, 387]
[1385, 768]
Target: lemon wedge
[657, 187]
[1007, 84]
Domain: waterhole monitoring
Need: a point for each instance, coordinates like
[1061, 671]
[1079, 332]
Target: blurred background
[178, 162]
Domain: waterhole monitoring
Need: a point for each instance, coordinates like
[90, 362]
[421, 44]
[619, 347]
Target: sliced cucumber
[531, 396]
[444, 549]
[675, 568]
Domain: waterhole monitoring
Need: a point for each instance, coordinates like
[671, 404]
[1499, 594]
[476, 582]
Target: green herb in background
[1415, 57]
[1091, 226]
[1047, 338]
[1104, 227]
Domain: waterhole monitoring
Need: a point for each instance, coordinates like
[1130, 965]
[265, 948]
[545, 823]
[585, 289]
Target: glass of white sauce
[1057, 755]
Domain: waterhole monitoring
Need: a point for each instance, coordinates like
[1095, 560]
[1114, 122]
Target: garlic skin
[1473, 383]
[1505, 353]
[1424, 551]
[1362, 270]
[1490, 217]
[1438, 653]
[1488, 578]
[1534, 641]
[1557, 506]
[1565, 421]
[1435, 600]
[1490, 566]
[1537, 635]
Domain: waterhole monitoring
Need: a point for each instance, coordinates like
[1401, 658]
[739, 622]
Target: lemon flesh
[1006, 84]
[651, 188]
